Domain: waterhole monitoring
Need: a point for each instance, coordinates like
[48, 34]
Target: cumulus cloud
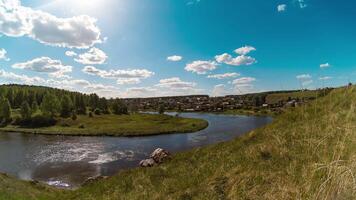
[133, 76]
[174, 58]
[241, 59]
[175, 83]
[201, 67]
[92, 57]
[3, 56]
[20, 78]
[245, 50]
[220, 90]
[75, 32]
[281, 7]
[244, 85]
[224, 76]
[70, 53]
[325, 65]
[44, 65]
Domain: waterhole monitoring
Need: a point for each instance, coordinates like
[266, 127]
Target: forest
[37, 106]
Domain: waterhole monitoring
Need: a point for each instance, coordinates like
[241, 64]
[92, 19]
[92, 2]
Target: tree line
[37, 104]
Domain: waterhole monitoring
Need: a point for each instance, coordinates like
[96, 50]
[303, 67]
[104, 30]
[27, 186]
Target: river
[67, 161]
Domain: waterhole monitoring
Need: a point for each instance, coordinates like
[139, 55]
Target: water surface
[67, 161]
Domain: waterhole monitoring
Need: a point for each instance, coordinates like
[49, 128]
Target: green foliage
[161, 109]
[5, 110]
[50, 105]
[25, 111]
[119, 108]
[66, 106]
[97, 111]
[34, 107]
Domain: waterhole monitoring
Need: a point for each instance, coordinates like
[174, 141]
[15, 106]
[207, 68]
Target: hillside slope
[306, 153]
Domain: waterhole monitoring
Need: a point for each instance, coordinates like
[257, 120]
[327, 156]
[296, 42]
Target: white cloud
[220, 90]
[223, 58]
[243, 80]
[75, 32]
[92, 57]
[3, 55]
[70, 53]
[133, 76]
[175, 83]
[20, 78]
[281, 7]
[242, 59]
[174, 58]
[305, 79]
[324, 78]
[245, 50]
[224, 76]
[44, 65]
[325, 65]
[200, 67]
[128, 81]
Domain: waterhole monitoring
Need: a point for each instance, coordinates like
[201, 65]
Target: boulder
[160, 155]
[147, 163]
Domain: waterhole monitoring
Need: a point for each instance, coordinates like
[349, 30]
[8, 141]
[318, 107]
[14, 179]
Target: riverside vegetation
[308, 152]
[42, 110]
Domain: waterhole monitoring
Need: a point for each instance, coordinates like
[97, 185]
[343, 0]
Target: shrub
[36, 121]
[97, 111]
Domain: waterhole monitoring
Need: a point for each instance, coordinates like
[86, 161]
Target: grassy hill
[306, 153]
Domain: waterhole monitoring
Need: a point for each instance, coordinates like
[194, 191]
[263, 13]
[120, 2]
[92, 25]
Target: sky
[145, 48]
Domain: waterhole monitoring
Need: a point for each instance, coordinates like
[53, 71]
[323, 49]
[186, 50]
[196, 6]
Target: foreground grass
[118, 125]
[306, 153]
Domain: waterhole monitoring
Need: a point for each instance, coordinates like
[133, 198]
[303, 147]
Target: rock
[147, 163]
[160, 155]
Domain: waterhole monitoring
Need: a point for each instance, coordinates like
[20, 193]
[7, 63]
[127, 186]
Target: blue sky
[140, 48]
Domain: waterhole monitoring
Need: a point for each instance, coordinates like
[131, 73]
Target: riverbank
[117, 125]
[308, 152]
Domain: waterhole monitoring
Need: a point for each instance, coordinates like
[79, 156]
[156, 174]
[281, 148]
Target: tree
[80, 105]
[66, 106]
[50, 105]
[5, 112]
[161, 109]
[119, 108]
[25, 110]
[34, 106]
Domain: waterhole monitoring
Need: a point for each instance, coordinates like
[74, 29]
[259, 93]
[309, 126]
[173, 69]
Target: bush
[36, 121]
[97, 111]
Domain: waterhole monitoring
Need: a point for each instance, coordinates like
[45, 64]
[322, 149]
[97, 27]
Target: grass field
[117, 125]
[306, 153]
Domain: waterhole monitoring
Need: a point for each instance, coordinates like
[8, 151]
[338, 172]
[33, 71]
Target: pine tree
[66, 106]
[50, 105]
[25, 110]
[5, 112]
